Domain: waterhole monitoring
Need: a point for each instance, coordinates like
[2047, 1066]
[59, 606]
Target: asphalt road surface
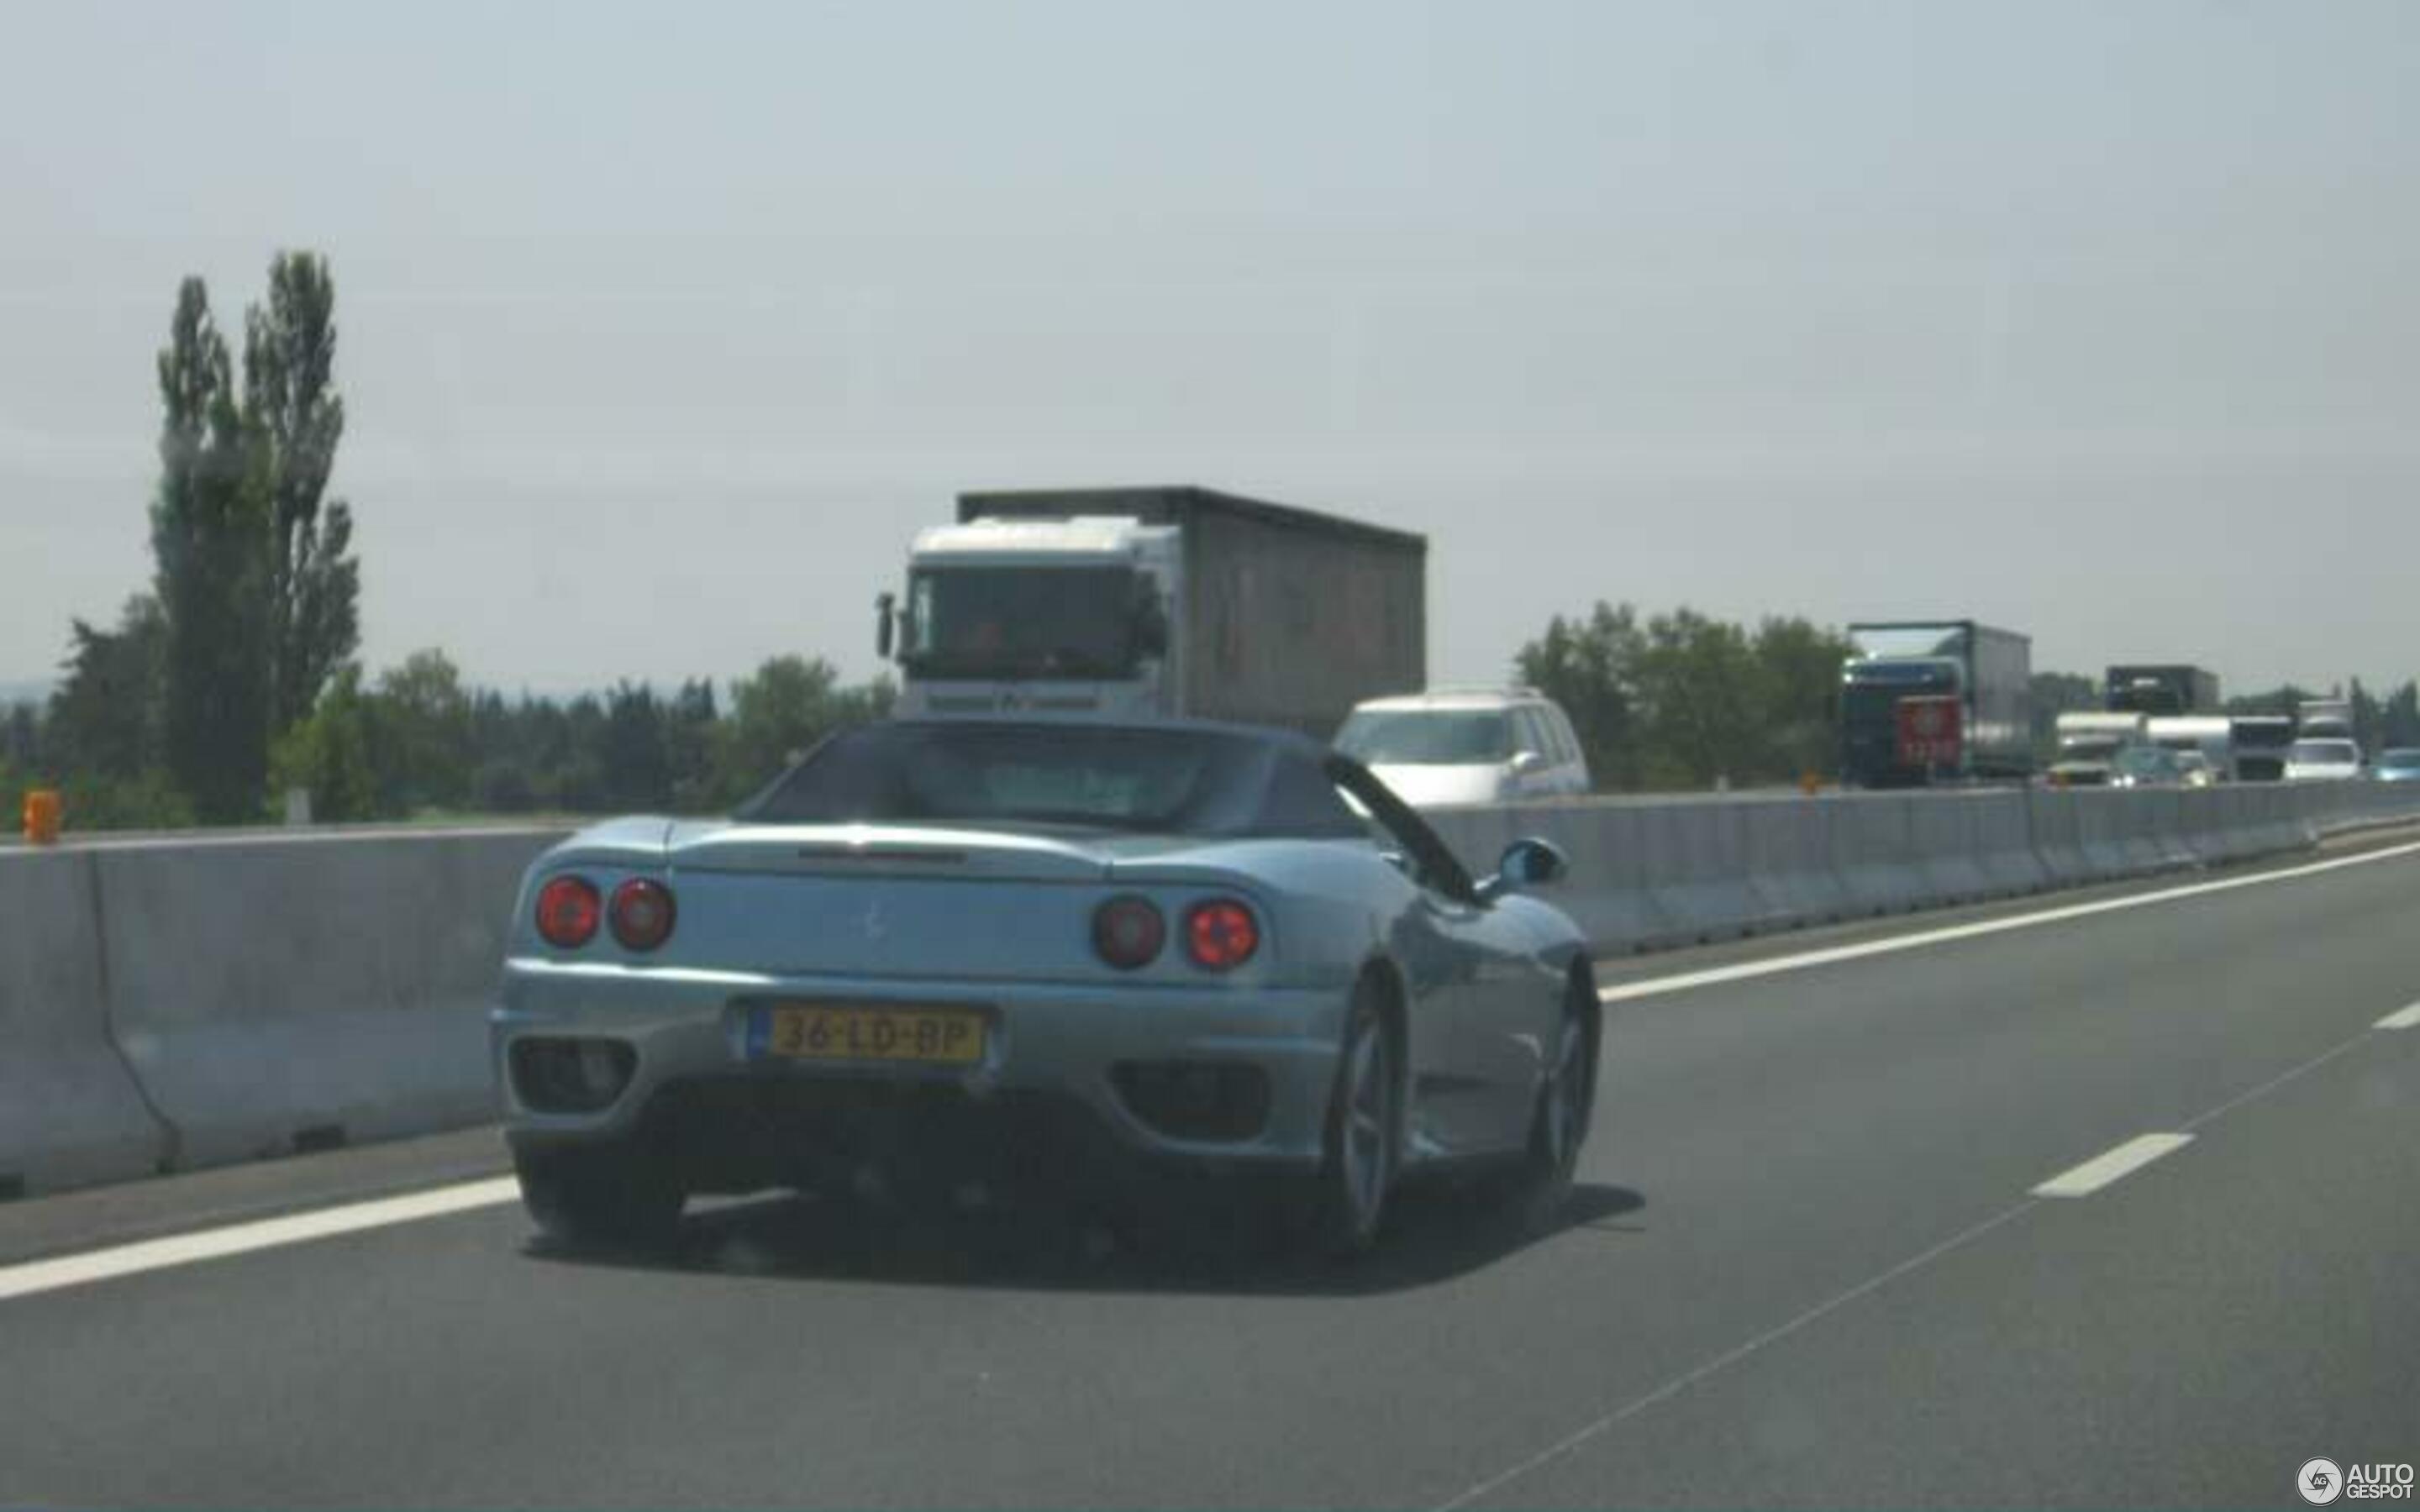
[2114, 1208]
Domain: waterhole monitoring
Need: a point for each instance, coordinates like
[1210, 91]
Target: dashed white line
[1680, 1383]
[2112, 1165]
[2407, 1018]
[1749, 970]
[35, 1276]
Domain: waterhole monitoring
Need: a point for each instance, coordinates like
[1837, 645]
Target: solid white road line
[2408, 1018]
[1749, 970]
[2101, 1169]
[268, 1233]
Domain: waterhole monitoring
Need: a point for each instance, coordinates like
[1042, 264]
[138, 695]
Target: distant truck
[2165, 689]
[2261, 741]
[1908, 679]
[1156, 602]
[2089, 744]
[2324, 720]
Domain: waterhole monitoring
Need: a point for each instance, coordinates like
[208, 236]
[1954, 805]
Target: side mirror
[1527, 762]
[1150, 625]
[884, 613]
[1525, 864]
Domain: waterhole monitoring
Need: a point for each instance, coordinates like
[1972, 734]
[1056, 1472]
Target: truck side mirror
[884, 607]
[1150, 625]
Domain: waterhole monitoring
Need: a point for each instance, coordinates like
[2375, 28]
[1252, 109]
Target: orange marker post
[42, 816]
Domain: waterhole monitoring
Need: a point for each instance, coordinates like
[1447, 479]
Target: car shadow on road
[1433, 1236]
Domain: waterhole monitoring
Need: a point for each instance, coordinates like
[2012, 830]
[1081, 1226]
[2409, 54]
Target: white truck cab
[1038, 617]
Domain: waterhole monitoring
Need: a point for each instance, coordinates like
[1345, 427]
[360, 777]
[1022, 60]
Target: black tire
[599, 1198]
[1559, 1122]
[1339, 1211]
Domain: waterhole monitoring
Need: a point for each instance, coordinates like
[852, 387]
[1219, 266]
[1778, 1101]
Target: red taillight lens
[567, 912]
[643, 913]
[1221, 935]
[1128, 933]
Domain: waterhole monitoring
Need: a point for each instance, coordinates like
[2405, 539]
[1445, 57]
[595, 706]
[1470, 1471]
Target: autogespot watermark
[2321, 1481]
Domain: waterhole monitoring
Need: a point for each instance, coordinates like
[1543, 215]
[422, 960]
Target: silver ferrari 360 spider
[1035, 954]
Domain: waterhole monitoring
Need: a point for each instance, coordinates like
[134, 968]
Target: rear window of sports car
[1172, 782]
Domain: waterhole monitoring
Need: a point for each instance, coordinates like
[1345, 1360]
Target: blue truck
[1929, 702]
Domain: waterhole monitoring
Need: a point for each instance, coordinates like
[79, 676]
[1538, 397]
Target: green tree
[22, 739]
[1591, 668]
[2399, 721]
[1799, 670]
[776, 716]
[292, 420]
[328, 754]
[421, 720]
[1704, 694]
[690, 726]
[106, 715]
[638, 771]
[2367, 718]
[208, 540]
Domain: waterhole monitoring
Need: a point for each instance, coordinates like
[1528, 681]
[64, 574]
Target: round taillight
[643, 913]
[1221, 935]
[567, 912]
[1128, 933]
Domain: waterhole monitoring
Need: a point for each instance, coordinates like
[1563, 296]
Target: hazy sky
[662, 330]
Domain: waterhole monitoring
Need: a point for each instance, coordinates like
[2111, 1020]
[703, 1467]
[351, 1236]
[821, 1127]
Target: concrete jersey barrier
[186, 1002]
[71, 1113]
[1647, 874]
[274, 995]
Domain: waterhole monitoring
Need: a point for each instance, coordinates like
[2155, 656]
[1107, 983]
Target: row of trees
[1684, 700]
[417, 742]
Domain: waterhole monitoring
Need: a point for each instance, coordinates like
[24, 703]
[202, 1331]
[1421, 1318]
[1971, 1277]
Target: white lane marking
[2407, 1018]
[2112, 1165]
[1680, 1383]
[1724, 1362]
[1749, 970]
[239, 1238]
[2275, 1082]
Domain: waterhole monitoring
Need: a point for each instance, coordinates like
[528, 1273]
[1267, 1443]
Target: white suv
[1451, 745]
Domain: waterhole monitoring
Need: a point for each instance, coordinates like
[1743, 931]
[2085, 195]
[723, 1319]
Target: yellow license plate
[948, 1036]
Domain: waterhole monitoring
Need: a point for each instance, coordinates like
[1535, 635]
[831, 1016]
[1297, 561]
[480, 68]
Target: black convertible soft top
[1175, 777]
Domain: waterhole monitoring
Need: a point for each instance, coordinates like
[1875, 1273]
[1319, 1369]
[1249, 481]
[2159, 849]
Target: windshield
[2088, 748]
[1894, 642]
[1024, 622]
[2324, 753]
[2145, 695]
[2399, 760]
[1171, 780]
[1427, 738]
[2146, 761]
